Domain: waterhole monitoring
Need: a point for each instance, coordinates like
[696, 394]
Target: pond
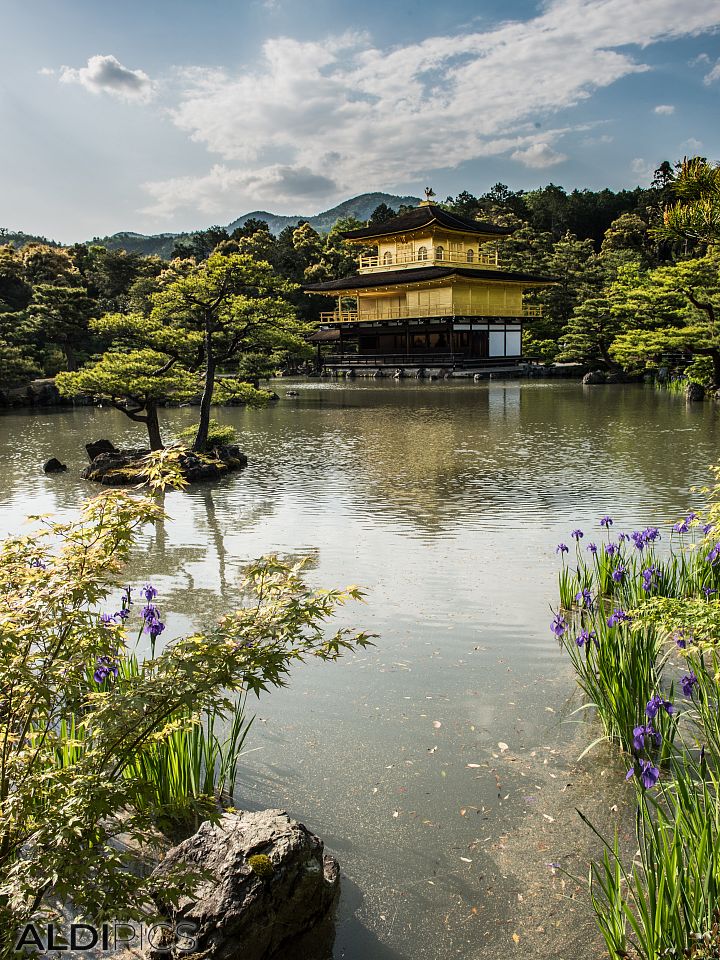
[440, 766]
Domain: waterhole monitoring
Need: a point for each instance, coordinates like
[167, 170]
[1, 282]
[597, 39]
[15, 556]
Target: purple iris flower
[638, 538]
[577, 534]
[561, 548]
[641, 733]
[153, 624]
[606, 522]
[610, 549]
[105, 667]
[651, 534]
[708, 592]
[149, 592]
[584, 598]
[657, 703]
[592, 547]
[682, 526]
[707, 528]
[108, 619]
[38, 564]
[618, 573]
[584, 637]
[649, 774]
[558, 625]
[649, 577]
[618, 616]
[687, 683]
[714, 554]
[622, 537]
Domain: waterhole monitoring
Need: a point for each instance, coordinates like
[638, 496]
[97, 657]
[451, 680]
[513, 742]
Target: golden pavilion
[432, 293]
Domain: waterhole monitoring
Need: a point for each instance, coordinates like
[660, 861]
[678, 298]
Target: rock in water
[53, 465]
[271, 888]
[595, 377]
[694, 391]
[97, 447]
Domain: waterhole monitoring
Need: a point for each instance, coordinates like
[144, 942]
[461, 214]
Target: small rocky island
[113, 467]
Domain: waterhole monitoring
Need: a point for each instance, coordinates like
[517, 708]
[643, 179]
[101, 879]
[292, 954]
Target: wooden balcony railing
[404, 313]
[483, 260]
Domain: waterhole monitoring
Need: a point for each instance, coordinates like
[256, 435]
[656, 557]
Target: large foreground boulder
[115, 468]
[270, 891]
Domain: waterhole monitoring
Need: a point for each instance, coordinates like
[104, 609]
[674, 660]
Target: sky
[160, 116]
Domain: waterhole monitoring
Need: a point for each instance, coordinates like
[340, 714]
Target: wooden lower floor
[437, 342]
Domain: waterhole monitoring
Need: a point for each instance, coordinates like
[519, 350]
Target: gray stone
[97, 447]
[44, 393]
[594, 377]
[694, 392]
[255, 911]
[53, 465]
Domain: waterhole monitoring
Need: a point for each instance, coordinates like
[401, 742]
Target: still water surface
[445, 501]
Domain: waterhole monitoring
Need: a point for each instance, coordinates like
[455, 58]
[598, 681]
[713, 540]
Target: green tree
[696, 213]
[683, 300]
[231, 308]
[629, 232]
[15, 291]
[199, 245]
[135, 381]
[61, 315]
[597, 316]
[46, 264]
[381, 214]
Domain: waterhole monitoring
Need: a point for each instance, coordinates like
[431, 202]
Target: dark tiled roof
[421, 275]
[422, 217]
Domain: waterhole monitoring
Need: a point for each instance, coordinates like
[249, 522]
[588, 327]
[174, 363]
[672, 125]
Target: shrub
[219, 435]
[75, 739]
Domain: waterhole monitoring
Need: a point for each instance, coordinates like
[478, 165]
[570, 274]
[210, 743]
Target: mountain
[360, 207]
[162, 244]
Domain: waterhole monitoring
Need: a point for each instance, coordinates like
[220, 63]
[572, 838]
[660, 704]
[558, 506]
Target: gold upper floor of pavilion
[425, 236]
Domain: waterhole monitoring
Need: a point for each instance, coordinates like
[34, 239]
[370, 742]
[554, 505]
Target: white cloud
[643, 169]
[691, 145]
[597, 141]
[538, 156]
[363, 117]
[215, 192]
[105, 74]
[703, 60]
[713, 75]
[664, 109]
[46, 72]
